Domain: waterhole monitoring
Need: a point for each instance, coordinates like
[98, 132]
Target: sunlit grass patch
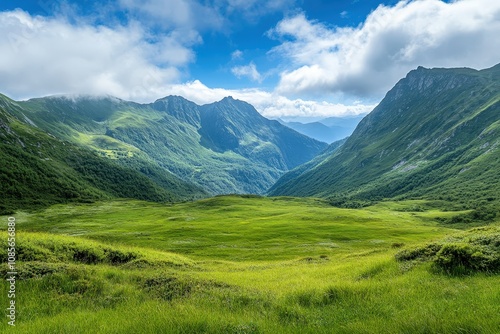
[236, 264]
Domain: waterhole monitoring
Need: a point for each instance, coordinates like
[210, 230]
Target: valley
[246, 264]
[183, 218]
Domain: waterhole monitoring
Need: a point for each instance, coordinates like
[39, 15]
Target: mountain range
[177, 147]
[327, 130]
[436, 134]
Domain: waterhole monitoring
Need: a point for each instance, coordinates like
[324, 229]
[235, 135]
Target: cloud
[237, 54]
[42, 56]
[249, 71]
[253, 9]
[369, 59]
[200, 15]
[188, 14]
[269, 104]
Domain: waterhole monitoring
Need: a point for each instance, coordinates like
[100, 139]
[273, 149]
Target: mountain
[223, 147]
[436, 134]
[315, 130]
[319, 159]
[327, 130]
[349, 122]
[39, 169]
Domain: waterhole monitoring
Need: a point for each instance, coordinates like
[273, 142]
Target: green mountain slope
[38, 169]
[224, 147]
[436, 134]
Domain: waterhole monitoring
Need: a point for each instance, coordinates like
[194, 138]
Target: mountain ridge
[327, 130]
[39, 169]
[223, 147]
[431, 125]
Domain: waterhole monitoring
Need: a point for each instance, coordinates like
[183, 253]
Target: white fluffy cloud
[271, 105]
[249, 71]
[43, 56]
[50, 55]
[369, 59]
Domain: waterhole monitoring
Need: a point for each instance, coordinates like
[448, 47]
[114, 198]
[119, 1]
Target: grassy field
[234, 264]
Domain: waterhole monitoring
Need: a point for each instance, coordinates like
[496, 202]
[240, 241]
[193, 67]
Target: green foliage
[34, 269]
[52, 249]
[341, 202]
[472, 251]
[479, 215]
[419, 253]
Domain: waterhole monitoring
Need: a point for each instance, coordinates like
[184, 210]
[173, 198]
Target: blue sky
[288, 58]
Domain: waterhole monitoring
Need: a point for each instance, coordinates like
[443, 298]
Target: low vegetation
[471, 251]
[248, 264]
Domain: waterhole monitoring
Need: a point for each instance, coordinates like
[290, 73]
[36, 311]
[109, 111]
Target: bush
[478, 215]
[75, 281]
[33, 252]
[463, 258]
[472, 251]
[418, 253]
[52, 249]
[87, 254]
[346, 203]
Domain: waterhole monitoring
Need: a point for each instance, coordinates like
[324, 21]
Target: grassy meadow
[247, 264]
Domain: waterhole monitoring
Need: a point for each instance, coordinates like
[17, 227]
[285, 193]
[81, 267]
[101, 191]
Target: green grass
[234, 264]
[236, 228]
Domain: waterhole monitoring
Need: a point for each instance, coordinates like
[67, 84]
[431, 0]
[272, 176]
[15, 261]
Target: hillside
[434, 135]
[38, 169]
[223, 147]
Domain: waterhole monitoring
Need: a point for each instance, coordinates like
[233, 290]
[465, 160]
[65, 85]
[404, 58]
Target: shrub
[478, 215]
[33, 252]
[74, 281]
[464, 258]
[472, 251]
[52, 249]
[418, 253]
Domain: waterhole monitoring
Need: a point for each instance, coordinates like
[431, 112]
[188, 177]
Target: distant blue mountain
[327, 130]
